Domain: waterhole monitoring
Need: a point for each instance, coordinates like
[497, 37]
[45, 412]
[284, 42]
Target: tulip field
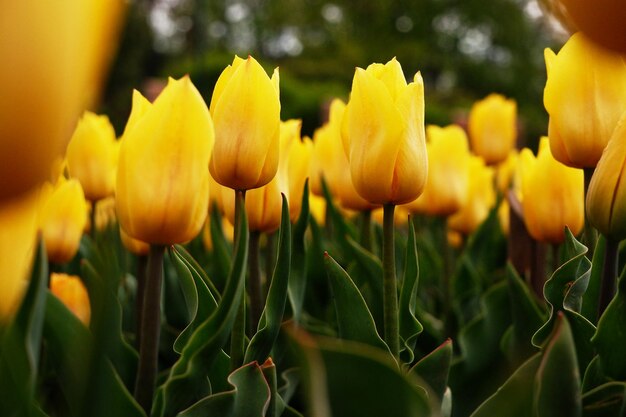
[211, 259]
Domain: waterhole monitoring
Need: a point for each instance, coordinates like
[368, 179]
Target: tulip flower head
[295, 160]
[162, 192]
[448, 164]
[92, 156]
[552, 195]
[245, 107]
[492, 127]
[72, 292]
[384, 134]
[585, 96]
[606, 196]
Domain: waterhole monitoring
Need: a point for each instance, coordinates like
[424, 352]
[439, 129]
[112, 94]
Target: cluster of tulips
[441, 192]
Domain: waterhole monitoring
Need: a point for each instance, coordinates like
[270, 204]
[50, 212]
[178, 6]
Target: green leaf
[20, 344]
[345, 378]
[222, 252]
[435, 367]
[410, 327]
[197, 270]
[250, 396]
[298, 279]
[610, 338]
[88, 380]
[592, 295]
[354, 319]
[594, 376]
[272, 316]
[200, 301]
[515, 397]
[563, 292]
[607, 400]
[557, 383]
[186, 381]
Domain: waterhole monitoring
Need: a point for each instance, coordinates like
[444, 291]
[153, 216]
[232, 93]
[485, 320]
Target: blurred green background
[465, 50]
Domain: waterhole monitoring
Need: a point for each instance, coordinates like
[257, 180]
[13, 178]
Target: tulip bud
[72, 292]
[492, 127]
[163, 182]
[585, 96]
[384, 134]
[448, 163]
[245, 107]
[480, 198]
[92, 156]
[18, 222]
[63, 219]
[606, 196]
[553, 195]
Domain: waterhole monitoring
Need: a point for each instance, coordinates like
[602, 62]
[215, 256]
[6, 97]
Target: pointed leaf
[435, 367]
[298, 278]
[410, 327]
[592, 295]
[607, 400]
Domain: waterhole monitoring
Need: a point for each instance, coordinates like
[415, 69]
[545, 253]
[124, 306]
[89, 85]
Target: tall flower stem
[237, 336]
[254, 281]
[590, 234]
[142, 267]
[390, 291]
[150, 330]
[609, 275]
[366, 229]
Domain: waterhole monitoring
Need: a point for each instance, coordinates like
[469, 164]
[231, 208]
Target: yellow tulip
[207, 239]
[606, 196]
[600, 20]
[492, 127]
[63, 220]
[553, 195]
[18, 222]
[504, 216]
[448, 163]
[51, 55]
[72, 292]
[505, 172]
[317, 205]
[162, 181]
[245, 107]
[92, 156]
[133, 245]
[384, 134]
[296, 153]
[480, 198]
[330, 161]
[585, 96]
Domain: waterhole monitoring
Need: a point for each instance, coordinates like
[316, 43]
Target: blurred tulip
[105, 213]
[318, 209]
[246, 111]
[553, 195]
[454, 238]
[585, 96]
[55, 47]
[384, 134]
[296, 153]
[492, 127]
[63, 220]
[448, 164]
[330, 161]
[207, 239]
[504, 213]
[505, 172]
[92, 156]
[163, 182]
[134, 246]
[606, 196]
[600, 20]
[400, 216]
[72, 292]
[18, 222]
[481, 198]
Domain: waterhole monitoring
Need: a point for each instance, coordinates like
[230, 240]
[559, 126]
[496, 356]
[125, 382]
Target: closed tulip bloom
[245, 107]
[162, 181]
[63, 220]
[384, 134]
[52, 48]
[505, 172]
[72, 292]
[448, 163]
[92, 156]
[18, 222]
[606, 196]
[492, 127]
[585, 96]
[553, 195]
[297, 154]
[480, 198]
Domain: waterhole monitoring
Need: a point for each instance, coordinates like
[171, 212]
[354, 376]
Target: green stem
[254, 282]
[150, 329]
[590, 234]
[270, 258]
[390, 292]
[609, 275]
[142, 265]
[237, 336]
[366, 229]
